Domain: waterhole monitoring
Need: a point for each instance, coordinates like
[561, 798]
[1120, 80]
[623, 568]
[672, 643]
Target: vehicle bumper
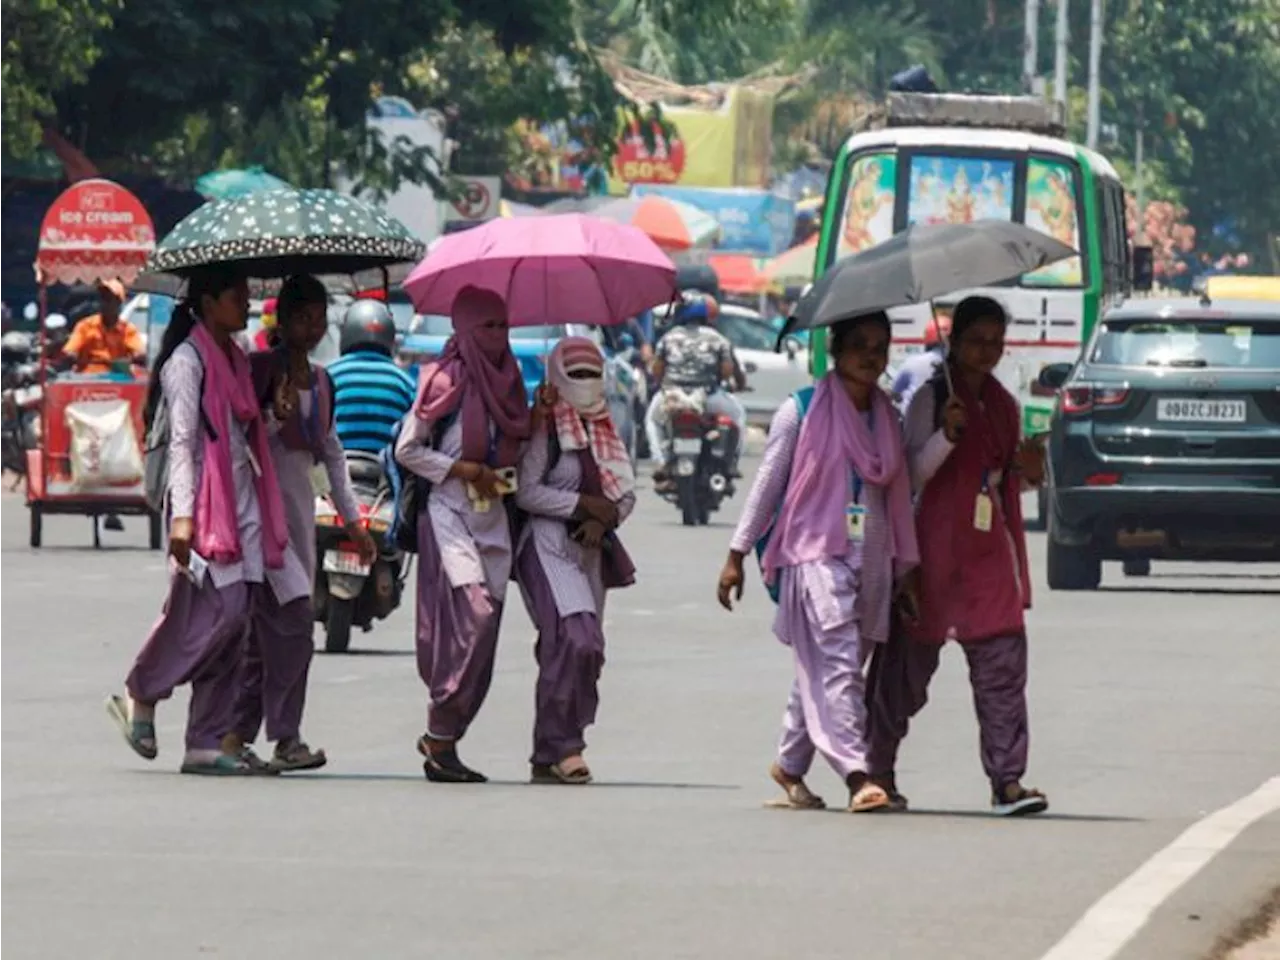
[1173, 522]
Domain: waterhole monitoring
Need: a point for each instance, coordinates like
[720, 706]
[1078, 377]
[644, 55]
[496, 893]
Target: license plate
[687, 445]
[338, 562]
[1176, 410]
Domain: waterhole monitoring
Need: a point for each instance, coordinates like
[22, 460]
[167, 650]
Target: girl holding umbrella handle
[968, 471]
[464, 437]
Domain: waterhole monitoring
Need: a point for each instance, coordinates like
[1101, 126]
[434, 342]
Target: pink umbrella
[555, 269]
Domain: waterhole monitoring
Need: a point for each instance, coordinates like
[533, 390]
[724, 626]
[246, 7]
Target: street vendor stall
[88, 461]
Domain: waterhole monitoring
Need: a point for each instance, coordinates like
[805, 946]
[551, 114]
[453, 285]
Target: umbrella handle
[946, 351]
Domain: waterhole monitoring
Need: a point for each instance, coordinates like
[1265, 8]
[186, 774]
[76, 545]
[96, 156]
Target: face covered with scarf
[582, 422]
[477, 375]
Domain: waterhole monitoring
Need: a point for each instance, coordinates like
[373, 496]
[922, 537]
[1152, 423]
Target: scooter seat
[364, 470]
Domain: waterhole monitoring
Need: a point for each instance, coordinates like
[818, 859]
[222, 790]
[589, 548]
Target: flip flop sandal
[297, 756]
[139, 734]
[225, 765]
[888, 783]
[869, 798]
[1024, 804]
[443, 766]
[799, 796]
[554, 773]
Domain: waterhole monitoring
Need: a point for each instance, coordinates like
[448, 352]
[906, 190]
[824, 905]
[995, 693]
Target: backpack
[408, 490]
[803, 397]
[155, 453]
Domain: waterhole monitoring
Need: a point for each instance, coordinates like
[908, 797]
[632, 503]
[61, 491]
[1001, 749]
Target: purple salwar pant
[197, 640]
[273, 673]
[898, 688]
[826, 712]
[570, 655]
[457, 640]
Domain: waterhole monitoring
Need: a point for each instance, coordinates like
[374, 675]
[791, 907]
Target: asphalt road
[1154, 702]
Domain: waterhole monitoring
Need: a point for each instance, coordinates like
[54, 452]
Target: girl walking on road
[464, 436]
[226, 525]
[304, 444]
[968, 470]
[834, 490]
[576, 485]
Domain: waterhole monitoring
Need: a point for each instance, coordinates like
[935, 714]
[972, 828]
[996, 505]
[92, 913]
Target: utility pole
[1095, 71]
[1060, 41]
[1031, 46]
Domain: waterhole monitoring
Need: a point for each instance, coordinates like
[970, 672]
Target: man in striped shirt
[370, 393]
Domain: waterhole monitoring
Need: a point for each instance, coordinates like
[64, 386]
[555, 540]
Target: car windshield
[1244, 342]
[747, 332]
[433, 325]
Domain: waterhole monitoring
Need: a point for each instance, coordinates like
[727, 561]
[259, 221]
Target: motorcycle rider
[690, 355]
[371, 393]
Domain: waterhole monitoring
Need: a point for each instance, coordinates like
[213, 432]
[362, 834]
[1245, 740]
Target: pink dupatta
[229, 386]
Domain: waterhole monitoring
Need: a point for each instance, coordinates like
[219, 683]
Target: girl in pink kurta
[464, 436]
[227, 526]
[298, 407]
[968, 470]
[834, 488]
[576, 487]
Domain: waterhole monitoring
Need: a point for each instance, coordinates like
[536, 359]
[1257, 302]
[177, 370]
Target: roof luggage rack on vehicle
[1027, 114]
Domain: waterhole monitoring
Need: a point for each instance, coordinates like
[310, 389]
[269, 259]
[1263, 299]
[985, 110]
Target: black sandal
[443, 765]
[1015, 800]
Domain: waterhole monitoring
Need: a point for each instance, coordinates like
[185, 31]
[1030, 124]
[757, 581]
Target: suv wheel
[1073, 568]
[1137, 567]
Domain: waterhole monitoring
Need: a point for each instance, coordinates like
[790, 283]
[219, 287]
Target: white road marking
[345, 678]
[1114, 920]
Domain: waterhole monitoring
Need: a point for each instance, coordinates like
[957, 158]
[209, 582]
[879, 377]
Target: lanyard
[310, 424]
[857, 479]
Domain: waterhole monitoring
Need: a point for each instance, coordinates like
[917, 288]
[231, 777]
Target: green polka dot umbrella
[276, 233]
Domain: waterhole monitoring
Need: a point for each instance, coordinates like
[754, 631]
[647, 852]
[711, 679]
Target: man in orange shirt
[103, 342]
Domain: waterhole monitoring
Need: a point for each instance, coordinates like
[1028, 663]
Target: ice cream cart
[88, 461]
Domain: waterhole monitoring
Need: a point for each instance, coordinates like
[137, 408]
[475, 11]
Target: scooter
[699, 466]
[348, 592]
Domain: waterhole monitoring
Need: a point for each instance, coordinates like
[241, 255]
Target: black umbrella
[924, 262]
[276, 233]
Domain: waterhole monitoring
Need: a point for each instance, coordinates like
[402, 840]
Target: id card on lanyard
[983, 507]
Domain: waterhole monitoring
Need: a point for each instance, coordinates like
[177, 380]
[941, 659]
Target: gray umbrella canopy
[924, 262]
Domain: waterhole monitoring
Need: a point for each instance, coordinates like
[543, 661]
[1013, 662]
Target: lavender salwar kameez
[464, 564]
[820, 616]
[563, 587]
[198, 637]
[279, 645]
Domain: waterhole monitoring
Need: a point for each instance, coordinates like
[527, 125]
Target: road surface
[1154, 703]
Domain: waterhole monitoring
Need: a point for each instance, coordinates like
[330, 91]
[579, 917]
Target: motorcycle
[349, 592]
[20, 399]
[699, 465]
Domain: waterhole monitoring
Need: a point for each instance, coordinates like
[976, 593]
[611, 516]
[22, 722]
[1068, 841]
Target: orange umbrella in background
[670, 224]
[739, 272]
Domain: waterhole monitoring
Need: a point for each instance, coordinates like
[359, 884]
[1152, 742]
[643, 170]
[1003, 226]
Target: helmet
[368, 323]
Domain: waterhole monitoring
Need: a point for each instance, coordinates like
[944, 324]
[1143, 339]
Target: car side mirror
[1144, 263]
[1054, 375]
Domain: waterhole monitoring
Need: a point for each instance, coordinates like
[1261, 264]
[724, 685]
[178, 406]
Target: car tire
[1137, 567]
[1073, 568]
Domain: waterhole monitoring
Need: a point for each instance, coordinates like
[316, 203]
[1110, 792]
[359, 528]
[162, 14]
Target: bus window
[1111, 233]
[1054, 209]
[868, 205]
[951, 189]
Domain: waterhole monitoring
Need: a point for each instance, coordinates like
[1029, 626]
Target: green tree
[49, 45]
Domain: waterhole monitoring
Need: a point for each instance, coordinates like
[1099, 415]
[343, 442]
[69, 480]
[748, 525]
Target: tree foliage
[48, 46]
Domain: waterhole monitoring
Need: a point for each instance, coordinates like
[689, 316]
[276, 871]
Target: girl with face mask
[576, 486]
[464, 437]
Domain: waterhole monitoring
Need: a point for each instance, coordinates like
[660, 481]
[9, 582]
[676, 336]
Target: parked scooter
[348, 592]
[20, 397]
[699, 466]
